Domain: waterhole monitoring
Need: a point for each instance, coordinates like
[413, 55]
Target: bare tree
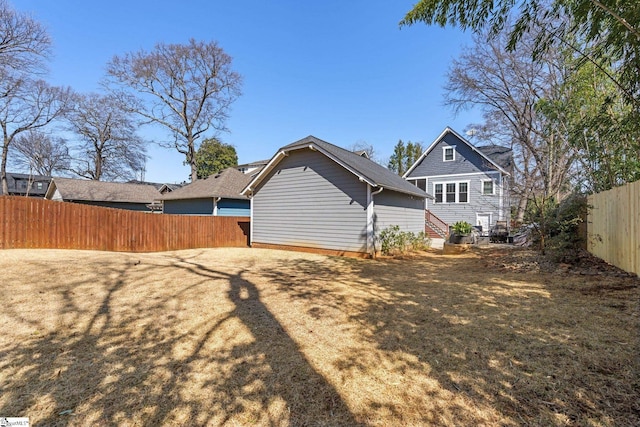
[24, 42]
[507, 86]
[108, 146]
[187, 88]
[26, 105]
[365, 147]
[41, 153]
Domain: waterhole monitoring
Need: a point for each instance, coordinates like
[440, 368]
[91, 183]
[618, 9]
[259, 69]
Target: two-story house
[469, 183]
[21, 184]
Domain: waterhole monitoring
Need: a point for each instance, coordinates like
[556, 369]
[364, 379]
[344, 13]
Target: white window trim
[444, 192]
[444, 150]
[493, 187]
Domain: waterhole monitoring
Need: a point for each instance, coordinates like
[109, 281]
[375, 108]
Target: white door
[484, 220]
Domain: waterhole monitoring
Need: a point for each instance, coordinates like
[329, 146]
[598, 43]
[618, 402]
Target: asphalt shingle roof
[503, 156]
[227, 184]
[376, 174]
[100, 191]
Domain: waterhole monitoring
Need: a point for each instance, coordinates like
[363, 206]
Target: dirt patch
[263, 337]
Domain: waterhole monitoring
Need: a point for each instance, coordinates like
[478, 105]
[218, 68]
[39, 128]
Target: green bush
[394, 241]
[462, 228]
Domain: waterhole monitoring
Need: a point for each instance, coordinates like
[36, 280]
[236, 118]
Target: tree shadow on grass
[109, 364]
[506, 348]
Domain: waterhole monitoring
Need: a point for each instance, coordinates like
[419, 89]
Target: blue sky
[342, 71]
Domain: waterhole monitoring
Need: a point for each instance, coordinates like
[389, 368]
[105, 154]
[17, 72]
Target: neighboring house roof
[163, 188]
[362, 153]
[227, 184]
[491, 155]
[100, 191]
[21, 183]
[499, 154]
[365, 169]
[256, 164]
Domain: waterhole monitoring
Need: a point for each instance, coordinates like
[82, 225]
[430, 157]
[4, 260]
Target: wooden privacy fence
[613, 226]
[37, 223]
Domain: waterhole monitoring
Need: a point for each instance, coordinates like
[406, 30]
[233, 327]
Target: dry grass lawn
[259, 337]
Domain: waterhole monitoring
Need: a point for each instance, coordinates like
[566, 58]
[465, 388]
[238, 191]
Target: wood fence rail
[36, 223]
[613, 226]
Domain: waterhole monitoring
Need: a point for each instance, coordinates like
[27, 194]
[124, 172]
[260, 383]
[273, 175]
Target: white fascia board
[258, 178]
[427, 151]
[477, 151]
[453, 176]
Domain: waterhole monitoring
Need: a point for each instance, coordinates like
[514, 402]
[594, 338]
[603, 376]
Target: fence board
[36, 223]
[613, 226]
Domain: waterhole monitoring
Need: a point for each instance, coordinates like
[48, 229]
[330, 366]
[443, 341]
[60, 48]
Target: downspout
[371, 242]
[215, 205]
[250, 196]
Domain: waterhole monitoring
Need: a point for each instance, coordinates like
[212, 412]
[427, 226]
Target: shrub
[557, 226]
[462, 228]
[394, 241]
[565, 237]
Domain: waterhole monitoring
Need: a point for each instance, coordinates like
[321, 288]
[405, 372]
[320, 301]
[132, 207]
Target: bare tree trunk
[3, 167]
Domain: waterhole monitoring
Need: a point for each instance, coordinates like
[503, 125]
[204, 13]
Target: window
[463, 192]
[39, 185]
[487, 187]
[438, 193]
[451, 192]
[448, 154]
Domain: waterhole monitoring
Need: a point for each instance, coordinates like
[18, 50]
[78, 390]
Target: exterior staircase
[434, 227]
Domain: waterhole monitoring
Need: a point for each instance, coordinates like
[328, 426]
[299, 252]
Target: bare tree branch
[188, 89]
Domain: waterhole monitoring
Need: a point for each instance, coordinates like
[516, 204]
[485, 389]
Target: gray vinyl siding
[309, 200]
[478, 203]
[466, 160]
[189, 206]
[392, 208]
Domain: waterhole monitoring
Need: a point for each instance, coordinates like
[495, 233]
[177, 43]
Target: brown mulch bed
[496, 336]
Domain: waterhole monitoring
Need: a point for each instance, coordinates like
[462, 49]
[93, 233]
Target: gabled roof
[227, 184]
[100, 191]
[365, 169]
[473, 147]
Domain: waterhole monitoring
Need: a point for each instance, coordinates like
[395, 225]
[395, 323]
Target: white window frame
[493, 187]
[457, 186]
[458, 191]
[444, 151]
[435, 202]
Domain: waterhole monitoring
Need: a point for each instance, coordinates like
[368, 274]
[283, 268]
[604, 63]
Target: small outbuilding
[217, 195]
[313, 195]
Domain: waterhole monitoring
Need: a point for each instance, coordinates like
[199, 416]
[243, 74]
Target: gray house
[21, 184]
[120, 195]
[217, 195]
[313, 195]
[469, 183]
